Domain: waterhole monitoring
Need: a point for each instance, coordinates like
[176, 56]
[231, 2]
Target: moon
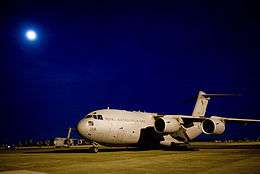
[31, 35]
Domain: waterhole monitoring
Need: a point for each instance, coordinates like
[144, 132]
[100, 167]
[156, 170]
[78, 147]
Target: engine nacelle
[166, 125]
[213, 126]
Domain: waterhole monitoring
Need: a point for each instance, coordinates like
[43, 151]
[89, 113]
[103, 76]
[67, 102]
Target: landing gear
[94, 148]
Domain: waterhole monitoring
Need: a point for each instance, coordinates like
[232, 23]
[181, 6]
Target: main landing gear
[94, 148]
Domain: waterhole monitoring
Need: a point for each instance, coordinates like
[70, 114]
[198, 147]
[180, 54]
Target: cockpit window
[100, 117]
[90, 123]
[88, 116]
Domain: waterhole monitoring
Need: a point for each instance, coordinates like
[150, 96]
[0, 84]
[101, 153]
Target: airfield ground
[210, 158]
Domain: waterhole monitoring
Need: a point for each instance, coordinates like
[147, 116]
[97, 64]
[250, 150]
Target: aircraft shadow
[107, 150]
[132, 149]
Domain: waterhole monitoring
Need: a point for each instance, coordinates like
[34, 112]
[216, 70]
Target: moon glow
[31, 35]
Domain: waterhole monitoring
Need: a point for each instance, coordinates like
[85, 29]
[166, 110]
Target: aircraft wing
[190, 118]
[227, 120]
[237, 120]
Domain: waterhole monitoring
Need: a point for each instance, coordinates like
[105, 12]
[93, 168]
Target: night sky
[136, 55]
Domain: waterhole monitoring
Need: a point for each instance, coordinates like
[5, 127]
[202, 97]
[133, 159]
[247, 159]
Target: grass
[239, 160]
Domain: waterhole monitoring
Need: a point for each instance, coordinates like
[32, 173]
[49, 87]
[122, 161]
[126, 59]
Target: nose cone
[82, 127]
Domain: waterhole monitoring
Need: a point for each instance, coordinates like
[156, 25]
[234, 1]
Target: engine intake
[166, 125]
[213, 126]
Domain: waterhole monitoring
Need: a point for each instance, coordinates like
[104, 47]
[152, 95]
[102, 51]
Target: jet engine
[213, 126]
[166, 125]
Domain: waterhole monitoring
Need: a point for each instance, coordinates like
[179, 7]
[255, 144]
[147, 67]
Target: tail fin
[202, 102]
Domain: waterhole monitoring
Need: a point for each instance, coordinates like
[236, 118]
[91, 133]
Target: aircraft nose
[82, 127]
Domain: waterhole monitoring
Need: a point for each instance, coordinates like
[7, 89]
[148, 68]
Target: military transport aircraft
[113, 127]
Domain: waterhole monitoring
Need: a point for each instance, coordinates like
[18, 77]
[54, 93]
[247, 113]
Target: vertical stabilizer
[201, 104]
[200, 110]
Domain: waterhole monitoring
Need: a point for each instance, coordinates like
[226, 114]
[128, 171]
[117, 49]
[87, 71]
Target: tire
[93, 150]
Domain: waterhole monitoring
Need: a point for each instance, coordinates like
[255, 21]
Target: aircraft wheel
[93, 149]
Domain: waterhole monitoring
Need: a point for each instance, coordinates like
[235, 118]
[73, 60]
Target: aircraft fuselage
[115, 127]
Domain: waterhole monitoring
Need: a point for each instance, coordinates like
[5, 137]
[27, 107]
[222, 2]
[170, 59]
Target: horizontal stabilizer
[221, 95]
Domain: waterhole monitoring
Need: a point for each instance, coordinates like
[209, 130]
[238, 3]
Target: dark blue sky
[128, 55]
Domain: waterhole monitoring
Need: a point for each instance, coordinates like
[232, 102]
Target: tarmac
[204, 158]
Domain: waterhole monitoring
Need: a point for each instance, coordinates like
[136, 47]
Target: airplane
[112, 127]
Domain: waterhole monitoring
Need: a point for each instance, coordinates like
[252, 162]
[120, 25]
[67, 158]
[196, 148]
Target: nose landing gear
[94, 148]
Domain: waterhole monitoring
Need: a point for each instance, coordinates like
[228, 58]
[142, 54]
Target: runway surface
[210, 158]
